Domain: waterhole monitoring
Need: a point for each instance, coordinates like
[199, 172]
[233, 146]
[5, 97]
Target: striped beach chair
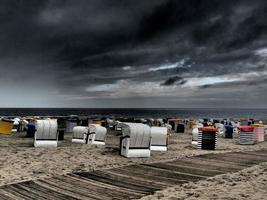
[246, 135]
[207, 138]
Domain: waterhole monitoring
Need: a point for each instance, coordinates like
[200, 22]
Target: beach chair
[194, 137]
[46, 133]
[97, 134]
[258, 132]
[135, 140]
[159, 138]
[110, 123]
[71, 122]
[80, 134]
[118, 126]
[220, 128]
[228, 131]
[246, 135]
[16, 125]
[6, 126]
[207, 138]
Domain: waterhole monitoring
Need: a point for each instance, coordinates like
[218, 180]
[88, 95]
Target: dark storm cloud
[174, 80]
[78, 46]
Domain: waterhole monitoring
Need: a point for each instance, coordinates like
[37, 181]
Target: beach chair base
[136, 153]
[158, 148]
[194, 144]
[97, 142]
[80, 141]
[45, 143]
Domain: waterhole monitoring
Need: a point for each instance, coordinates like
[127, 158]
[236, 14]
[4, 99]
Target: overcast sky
[133, 53]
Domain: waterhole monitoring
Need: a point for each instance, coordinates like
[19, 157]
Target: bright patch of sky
[127, 68]
[167, 66]
[261, 52]
[194, 82]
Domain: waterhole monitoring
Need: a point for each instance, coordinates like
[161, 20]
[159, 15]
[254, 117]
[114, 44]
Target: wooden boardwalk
[132, 181]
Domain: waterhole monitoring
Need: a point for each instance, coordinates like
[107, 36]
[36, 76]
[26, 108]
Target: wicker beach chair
[135, 140]
[97, 134]
[220, 128]
[80, 134]
[159, 137]
[46, 134]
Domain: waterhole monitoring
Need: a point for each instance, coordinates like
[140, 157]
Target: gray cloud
[81, 53]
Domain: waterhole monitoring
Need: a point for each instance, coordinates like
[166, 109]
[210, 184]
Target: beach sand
[20, 161]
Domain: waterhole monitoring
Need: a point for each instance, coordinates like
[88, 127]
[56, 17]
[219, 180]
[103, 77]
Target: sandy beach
[249, 183]
[20, 161]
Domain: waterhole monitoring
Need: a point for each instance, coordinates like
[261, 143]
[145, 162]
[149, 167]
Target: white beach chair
[46, 133]
[118, 126]
[159, 137]
[110, 123]
[97, 134]
[15, 125]
[235, 128]
[220, 128]
[135, 140]
[80, 134]
[194, 137]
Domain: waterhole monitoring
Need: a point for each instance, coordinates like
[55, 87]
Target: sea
[193, 113]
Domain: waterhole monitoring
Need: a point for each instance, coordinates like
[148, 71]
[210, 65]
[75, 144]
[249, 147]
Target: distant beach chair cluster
[138, 136]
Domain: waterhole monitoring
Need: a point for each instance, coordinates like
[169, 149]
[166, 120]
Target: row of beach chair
[137, 139]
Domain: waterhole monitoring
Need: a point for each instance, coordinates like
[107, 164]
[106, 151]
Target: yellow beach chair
[6, 126]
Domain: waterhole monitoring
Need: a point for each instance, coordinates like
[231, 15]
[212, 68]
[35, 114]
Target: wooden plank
[4, 195]
[164, 180]
[78, 188]
[95, 189]
[57, 181]
[165, 173]
[100, 187]
[48, 193]
[153, 184]
[213, 164]
[146, 185]
[61, 189]
[106, 179]
[262, 158]
[186, 169]
[241, 161]
[19, 194]
[28, 191]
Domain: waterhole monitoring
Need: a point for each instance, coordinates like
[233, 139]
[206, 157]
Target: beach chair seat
[80, 134]
[46, 133]
[97, 134]
[135, 140]
[159, 138]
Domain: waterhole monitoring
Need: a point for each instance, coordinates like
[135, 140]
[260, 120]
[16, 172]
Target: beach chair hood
[46, 129]
[138, 133]
[100, 132]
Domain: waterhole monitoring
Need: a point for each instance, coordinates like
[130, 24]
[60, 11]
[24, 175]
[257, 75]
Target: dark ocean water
[140, 112]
